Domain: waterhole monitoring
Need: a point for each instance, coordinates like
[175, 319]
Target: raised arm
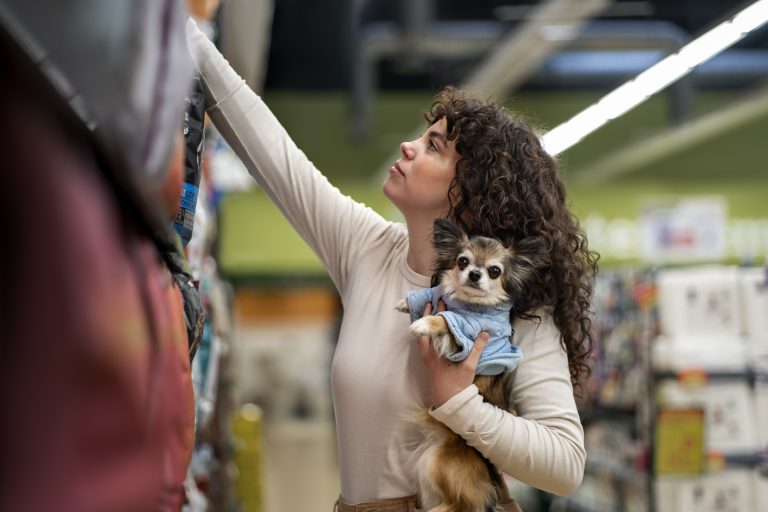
[544, 445]
[334, 225]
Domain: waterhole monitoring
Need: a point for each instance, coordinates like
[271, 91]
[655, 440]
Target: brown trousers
[408, 504]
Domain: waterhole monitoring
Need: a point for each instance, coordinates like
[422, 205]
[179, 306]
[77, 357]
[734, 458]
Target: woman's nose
[406, 148]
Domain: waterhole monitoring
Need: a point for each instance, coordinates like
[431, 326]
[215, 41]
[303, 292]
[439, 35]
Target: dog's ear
[447, 239]
[524, 259]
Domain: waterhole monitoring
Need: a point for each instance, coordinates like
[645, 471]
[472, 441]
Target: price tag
[716, 461]
[692, 378]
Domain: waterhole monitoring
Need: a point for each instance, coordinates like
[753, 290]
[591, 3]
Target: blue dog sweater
[465, 322]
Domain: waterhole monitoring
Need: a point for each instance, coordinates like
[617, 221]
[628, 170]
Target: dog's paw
[402, 306]
[422, 327]
[437, 329]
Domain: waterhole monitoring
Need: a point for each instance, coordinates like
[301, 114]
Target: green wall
[256, 241]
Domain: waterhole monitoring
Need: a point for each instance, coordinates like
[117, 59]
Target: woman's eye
[463, 262]
[432, 145]
[494, 272]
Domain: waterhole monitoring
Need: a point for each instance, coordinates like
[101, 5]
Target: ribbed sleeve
[333, 225]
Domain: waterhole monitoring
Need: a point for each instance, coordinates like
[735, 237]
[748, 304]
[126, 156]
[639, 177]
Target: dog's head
[481, 270]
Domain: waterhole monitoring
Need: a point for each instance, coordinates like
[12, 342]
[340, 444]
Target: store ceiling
[625, 38]
[694, 142]
[316, 57]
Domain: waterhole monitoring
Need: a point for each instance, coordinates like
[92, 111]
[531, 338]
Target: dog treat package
[194, 118]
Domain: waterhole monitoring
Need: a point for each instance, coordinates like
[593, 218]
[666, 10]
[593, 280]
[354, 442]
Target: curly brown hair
[507, 187]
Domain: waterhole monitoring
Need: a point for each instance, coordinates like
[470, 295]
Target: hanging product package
[194, 118]
[194, 313]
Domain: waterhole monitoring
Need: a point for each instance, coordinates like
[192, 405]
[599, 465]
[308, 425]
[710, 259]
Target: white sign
[684, 230]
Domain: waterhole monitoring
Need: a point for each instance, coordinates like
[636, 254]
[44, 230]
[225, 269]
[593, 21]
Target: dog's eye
[463, 262]
[494, 272]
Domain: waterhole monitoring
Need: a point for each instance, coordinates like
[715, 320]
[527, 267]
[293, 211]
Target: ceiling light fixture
[657, 77]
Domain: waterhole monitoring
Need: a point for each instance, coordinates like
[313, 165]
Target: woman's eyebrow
[437, 135]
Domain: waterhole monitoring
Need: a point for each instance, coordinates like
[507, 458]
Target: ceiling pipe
[673, 141]
[465, 40]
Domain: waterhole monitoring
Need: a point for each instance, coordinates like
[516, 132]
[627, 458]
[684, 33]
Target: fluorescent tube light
[657, 77]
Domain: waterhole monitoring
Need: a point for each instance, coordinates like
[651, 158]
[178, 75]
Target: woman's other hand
[447, 378]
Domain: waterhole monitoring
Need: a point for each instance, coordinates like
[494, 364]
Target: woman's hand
[447, 378]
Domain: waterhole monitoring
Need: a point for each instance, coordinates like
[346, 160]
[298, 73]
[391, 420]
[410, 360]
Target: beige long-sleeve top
[378, 379]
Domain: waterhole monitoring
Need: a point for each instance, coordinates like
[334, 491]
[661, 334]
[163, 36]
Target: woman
[477, 166]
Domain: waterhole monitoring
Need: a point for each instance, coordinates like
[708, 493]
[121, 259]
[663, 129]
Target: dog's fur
[452, 476]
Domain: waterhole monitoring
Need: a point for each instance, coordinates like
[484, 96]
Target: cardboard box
[761, 413]
[753, 288]
[726, 353]
[700, 301]
[731, 490]
[760, 483]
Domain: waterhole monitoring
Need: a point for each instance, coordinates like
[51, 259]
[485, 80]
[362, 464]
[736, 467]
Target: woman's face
[418, 182]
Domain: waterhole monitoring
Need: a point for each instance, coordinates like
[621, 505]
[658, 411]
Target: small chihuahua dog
[479, 281]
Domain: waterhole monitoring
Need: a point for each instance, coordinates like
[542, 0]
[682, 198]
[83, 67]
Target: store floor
[300, 466]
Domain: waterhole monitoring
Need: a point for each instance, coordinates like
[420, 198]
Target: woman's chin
[388, 189]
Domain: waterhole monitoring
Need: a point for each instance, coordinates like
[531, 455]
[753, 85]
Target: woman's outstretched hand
[447, 378]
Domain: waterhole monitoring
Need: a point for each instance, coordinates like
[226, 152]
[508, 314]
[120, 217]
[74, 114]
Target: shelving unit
[687, 345]
[615, 410]
[213, 474]
[711, 328]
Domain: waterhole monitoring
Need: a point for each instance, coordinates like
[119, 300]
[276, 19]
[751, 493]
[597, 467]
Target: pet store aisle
[300, 466]
[283, 352]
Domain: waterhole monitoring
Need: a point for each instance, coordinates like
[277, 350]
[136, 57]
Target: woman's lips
[395, 169]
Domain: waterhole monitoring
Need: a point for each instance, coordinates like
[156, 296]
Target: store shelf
[713, 375]
[615, 470]
[746, 460]
[574, 505]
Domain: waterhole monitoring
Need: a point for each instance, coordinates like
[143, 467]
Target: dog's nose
[474, 276]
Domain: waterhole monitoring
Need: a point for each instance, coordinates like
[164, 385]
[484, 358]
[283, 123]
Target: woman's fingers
[425, 347]
[477, 349]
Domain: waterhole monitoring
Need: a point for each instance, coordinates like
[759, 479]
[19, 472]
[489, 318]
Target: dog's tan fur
[464, 479]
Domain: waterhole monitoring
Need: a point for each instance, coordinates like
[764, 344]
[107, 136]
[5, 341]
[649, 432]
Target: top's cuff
[457, 401]
[218, 77]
